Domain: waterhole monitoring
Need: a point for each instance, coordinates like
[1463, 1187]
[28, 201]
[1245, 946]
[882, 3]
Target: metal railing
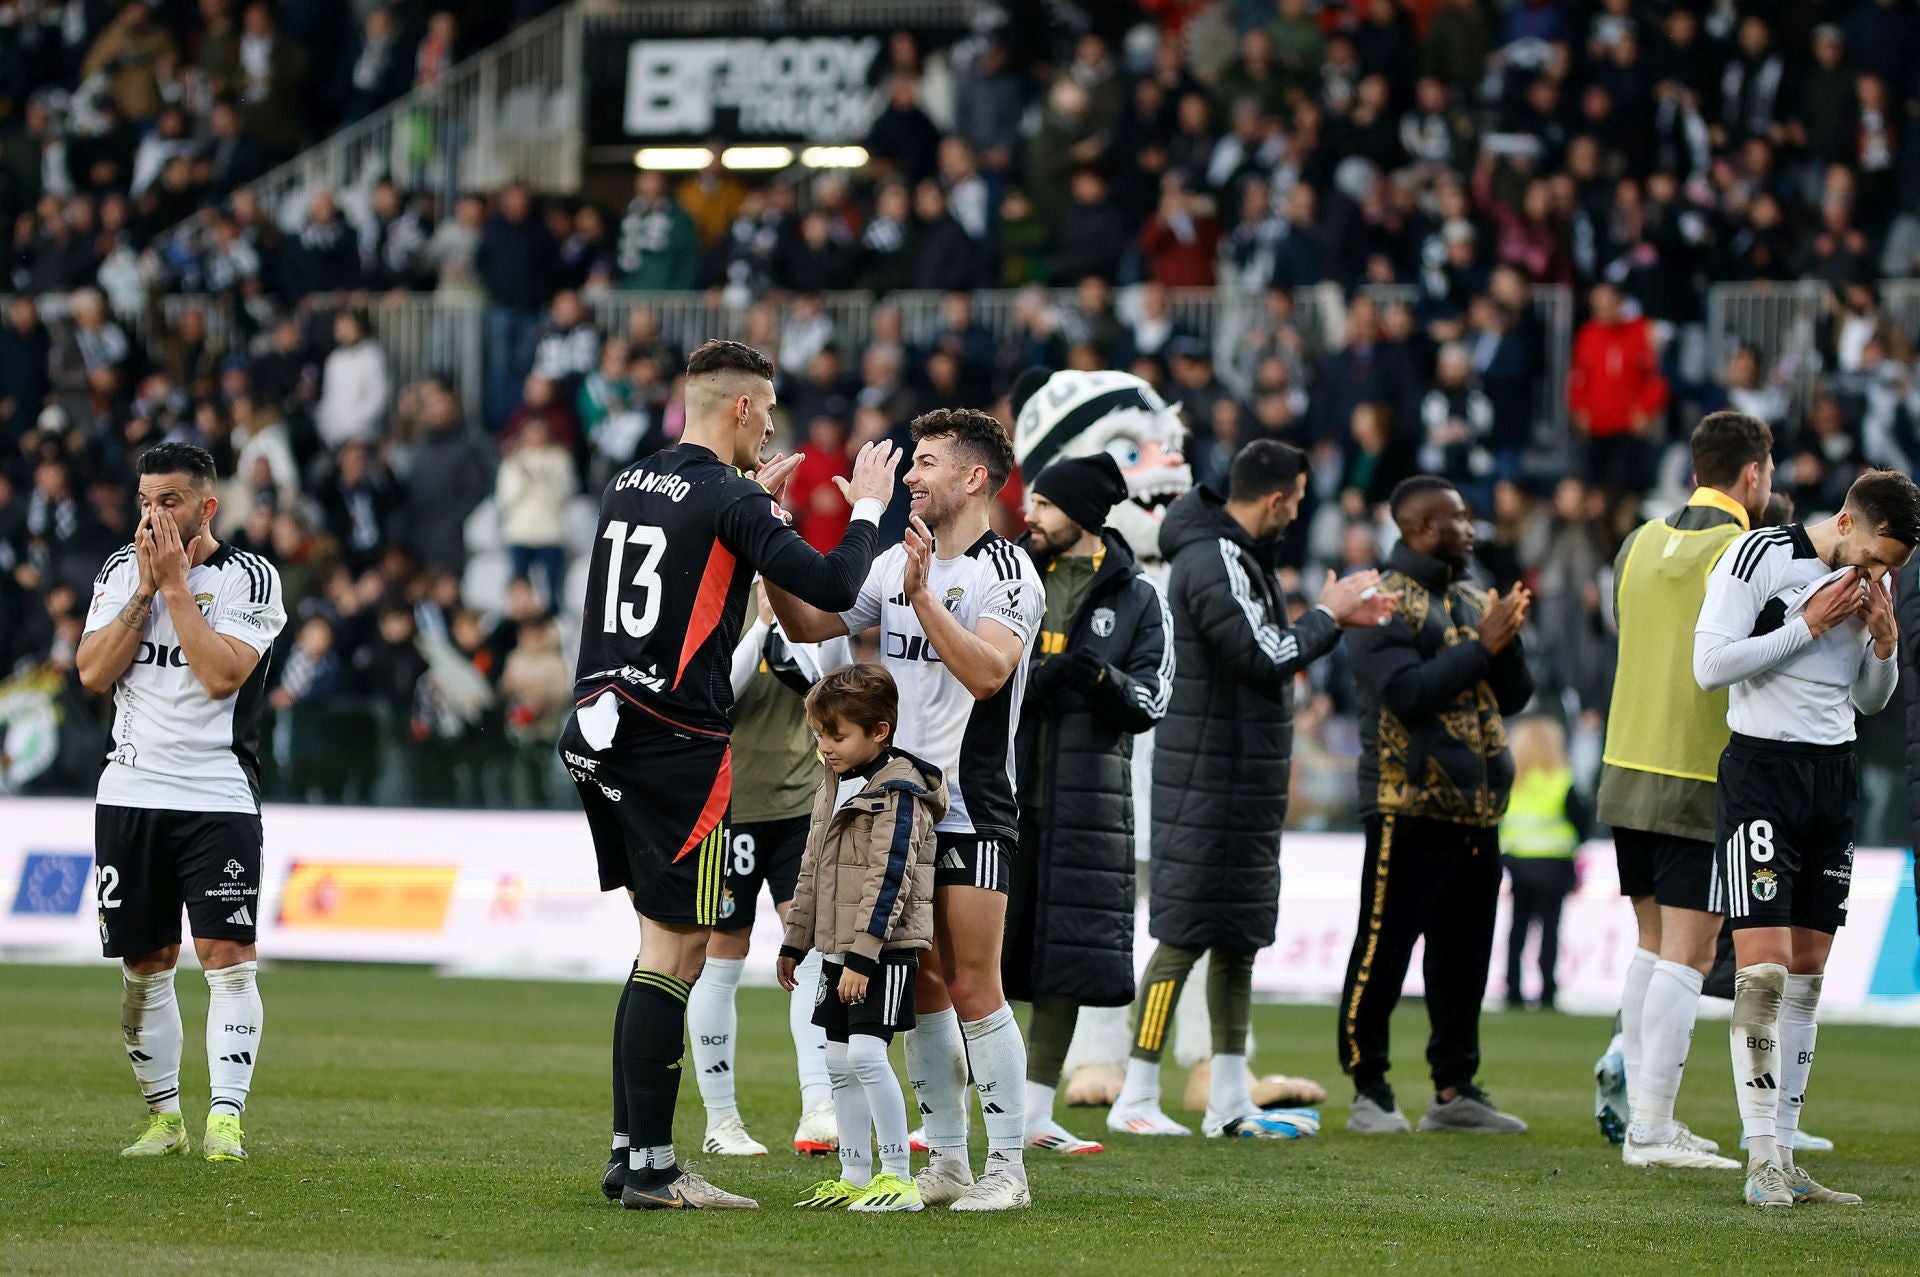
[730, 17]
[1781, 322]
[427, 334]
[512, 112]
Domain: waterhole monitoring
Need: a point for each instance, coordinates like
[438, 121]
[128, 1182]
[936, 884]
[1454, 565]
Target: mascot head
[1076, 414]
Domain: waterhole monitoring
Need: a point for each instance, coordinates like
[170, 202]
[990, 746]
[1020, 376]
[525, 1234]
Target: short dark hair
[980, 434]
[1725, 443]
[1264, 467]
[1407, 490]
[1888, 503]
[728, 356]
[862, 694]
[179, 458]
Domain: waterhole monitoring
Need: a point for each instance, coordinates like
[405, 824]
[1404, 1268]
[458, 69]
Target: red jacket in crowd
[1615, 376]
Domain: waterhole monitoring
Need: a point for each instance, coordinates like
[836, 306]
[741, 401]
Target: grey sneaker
[1806, 1189]
[1767, 1186]
[1470, 1112]
[1375, 1113]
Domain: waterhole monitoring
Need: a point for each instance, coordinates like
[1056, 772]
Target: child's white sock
[886, 1106]
[850, 1116]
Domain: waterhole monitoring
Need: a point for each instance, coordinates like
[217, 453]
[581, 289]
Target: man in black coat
[1220, 773]
[1433, 682]
[1100, 671]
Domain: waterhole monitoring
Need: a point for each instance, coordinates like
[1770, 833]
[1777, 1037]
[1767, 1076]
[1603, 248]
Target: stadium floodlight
[672, 157]
[834, 157]
[756, 157]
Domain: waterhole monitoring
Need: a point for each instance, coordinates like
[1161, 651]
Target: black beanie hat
[1084, 488]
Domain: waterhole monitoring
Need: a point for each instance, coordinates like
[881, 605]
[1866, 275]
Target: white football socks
[150, 1026]
[809, 1039]
[1633, 1006]
[1666, 1034]
[712, 1024]
[1142, 1085]
[1229, 1093]
[1755, 1038]
[851, 1117]
[1797, 1034]
[886, 1106]
[999, 1056]
[937, 1068]
[233, 1035]
[1039, 1109]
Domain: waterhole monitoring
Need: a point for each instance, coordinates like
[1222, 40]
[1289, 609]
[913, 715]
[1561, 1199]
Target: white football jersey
[1811, 686]
[174, 747]
[970, 741]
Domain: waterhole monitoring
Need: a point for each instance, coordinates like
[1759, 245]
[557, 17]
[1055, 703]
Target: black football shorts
[1785, 822]
[148, 863]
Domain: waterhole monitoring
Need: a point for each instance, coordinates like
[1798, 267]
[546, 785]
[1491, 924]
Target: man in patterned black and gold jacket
[1433, 681]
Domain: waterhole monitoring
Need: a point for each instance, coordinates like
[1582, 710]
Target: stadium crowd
[1460, 149]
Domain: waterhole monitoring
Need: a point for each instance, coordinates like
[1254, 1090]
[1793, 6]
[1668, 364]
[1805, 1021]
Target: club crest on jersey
[1103, 618]
[1765, 885]
[205, 603]
[952, 601]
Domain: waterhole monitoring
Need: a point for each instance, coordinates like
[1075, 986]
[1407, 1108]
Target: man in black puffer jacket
[1220, 769]
[1101, 670]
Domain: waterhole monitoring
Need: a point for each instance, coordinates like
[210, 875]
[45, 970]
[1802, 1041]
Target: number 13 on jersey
[652, 542]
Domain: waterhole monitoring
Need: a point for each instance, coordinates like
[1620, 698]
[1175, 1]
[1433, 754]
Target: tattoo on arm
[134, 614]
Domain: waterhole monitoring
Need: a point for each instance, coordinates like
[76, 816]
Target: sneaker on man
[1767, 1186]
[686, 1191]
[995, 1191]
[1808, 1191]
[1610, 1107]
[614, 1178]
[1375, 1112]
[1142, 1119]
[817, 1135]
[1051, 1137]
[1262, 1124]
[887, 1193]
[1470, 1112]
[166, 1134]
[1699, 1143]
[1804, 1143]
[728, 1138]
[943, 1181]
[225, 1141]
[831, 1194]
[1679, 1149]
[917, 1140]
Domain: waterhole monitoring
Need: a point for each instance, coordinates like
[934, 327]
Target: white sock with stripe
[852, 1118]
[1755, 1038]
[999, 1057]
[937, 1068]
[150, 1027]
[233, 1035]
[1673, 1000]
[712, 1025]
[1797, 1034]
[809, 1039]
[1229, 1091]
[1633, 1008]
[886, 1106]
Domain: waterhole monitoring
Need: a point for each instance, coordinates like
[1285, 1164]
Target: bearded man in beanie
[1101, 670]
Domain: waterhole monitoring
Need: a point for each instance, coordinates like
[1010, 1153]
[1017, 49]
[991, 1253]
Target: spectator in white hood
[354, 390]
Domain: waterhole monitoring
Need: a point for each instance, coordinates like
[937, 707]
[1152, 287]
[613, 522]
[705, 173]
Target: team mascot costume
[1076, 414]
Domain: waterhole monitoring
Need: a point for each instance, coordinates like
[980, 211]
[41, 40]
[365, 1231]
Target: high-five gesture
[873, 472]
[774, 474]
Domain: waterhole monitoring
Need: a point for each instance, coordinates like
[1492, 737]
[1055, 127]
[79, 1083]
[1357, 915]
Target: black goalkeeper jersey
[681, 535]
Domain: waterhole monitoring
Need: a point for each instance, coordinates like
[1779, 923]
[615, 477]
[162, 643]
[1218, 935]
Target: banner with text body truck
[515, 894]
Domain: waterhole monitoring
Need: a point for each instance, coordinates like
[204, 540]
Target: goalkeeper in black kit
[682, 534]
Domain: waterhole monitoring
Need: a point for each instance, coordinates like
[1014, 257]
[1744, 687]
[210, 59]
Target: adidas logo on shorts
[241, 917]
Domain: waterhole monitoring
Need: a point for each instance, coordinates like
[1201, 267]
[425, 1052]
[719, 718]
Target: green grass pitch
[408, 1124]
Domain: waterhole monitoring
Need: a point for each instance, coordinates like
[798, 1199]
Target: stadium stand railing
[1781, 321]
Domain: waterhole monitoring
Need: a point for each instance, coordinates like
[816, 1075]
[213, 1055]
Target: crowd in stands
[1452, 153]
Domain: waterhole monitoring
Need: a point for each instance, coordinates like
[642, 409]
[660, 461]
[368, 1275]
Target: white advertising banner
[515, 894]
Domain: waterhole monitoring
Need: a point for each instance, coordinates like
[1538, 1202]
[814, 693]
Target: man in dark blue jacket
[1101, 670]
